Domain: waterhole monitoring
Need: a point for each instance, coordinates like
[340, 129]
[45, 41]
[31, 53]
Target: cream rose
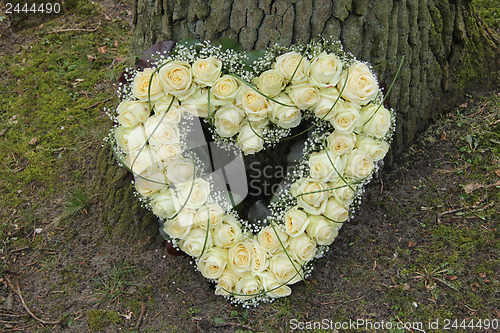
[213, 262]
[325, 167]
[180, 171]
[339, 143]
[375, 121]
[270, 82]
[228, 120]
[346, 119]
[296, 222]
[211, 213]
[343, 192]
[248, 286]
[197, 104]
[165, 204]
[360, 87]
[302, 248]
[169, 153]
[240, 257]
[304, 96]
[311, 195]
[284, 116]
[227, 281]
[176, 78]
[255, 105]
[321, 230]
[284, 270]
[270, 238]
[377, 149]
[132, 113]
[359, 164]
[148, 184]
[225, 90]
[293, 64]
[325, 70]
[249, 142]
[195, 241]
[174, 114]
[272, 286]
[140, 86]
[206, 71]
[180, 226]
[336, 211]
[132, 139]
[228, 232]
[259, 258]
[194, 195]
[161, 132]
[143, 163]
[328, 104]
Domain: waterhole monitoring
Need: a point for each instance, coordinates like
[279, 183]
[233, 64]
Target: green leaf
[253, 56]
[218, 320]
[228, 44]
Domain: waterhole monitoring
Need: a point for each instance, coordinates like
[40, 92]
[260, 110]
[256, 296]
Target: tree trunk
[445, 45]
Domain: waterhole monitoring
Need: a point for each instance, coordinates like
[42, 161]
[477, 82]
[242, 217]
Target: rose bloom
[284, 269]
[213, 262]
[269, 239]
[328, 104]
[375, 121]
[228, 120]
[161, 132]
[132, 113]
[377, 149]
[240, 257]
[325, 167]
[180, 171]
[325, 70]
[272, 286]
[142, 163]
[322, 230]
[248, 286]
[165, 204]
[336, 211]
[206, 71]
[311, 195]
[176, 78]
[360, 87]
[211, 213]
[302, 248]
[249, 142]
[197, 104]
[284, 116]
[346, 119]
[304, 96]
[140, 86]
[168, 153]
[296, 222]
[226, 282]
[180, 226]
[339, 143]
[196, 240]
[132, 139]
[228, 232]
[292, 62]
[225, 90]
[148, 184]
[342, 191]
[270, 83]
[359, 164]
[255, 105]
[259, 257]
[194, 195]
[174, 114]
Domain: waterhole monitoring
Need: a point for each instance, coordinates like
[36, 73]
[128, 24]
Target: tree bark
[446, 49]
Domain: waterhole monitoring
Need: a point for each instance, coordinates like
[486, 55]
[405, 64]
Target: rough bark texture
[446, 48]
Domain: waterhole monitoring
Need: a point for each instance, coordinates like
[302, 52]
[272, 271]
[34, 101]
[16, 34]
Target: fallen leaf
[469, 188]
[116, 44]
[411, 243]
[2, 132]
[33, 141]
[443, 136]
[464, 105]
[102, 49]
[406, 286]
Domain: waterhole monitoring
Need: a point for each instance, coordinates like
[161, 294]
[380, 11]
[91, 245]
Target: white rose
[255, 105]
[336, 211]
[339, 143]
[227, 281]
[165, 204]
[132, 139]
[296, 222]
[140, 86]
[169, 153]
[132, 113]
[248, 286]
[284, 116]
[377, 149]
[195, 241]
[180, 171]
[304, 96]
[206, 71]
[228, 120]
[225, 90]
[346, 119]
[311, 195]
[328, 104]
[325, 70]
[240, 257]
[148, 184]
[143, 163]
[212, 263]
[194, 195]
[285, 270]
[174, 114]
[375, 121]
[180, 226]
[197, 104]
[161, 132]
[343, 191]
[249, 142]
[270, 83]
[270, 238]
[322, 230]
[176, 78]
[209, 214]
[228, 232]
[259, 258]
[272, 287]
[359, 164]
[293, 64]
[325, 167]
[360, 87]
[302, 248]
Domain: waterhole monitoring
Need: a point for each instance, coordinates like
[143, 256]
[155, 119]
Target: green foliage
[113, 287]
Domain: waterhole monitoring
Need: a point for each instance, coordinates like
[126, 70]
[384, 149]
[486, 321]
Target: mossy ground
[422, 247]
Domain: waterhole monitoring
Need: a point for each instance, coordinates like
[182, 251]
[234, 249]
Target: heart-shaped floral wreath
[251, 101]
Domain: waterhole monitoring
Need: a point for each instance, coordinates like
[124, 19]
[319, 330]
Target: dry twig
[77, 29]
[143, 310]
